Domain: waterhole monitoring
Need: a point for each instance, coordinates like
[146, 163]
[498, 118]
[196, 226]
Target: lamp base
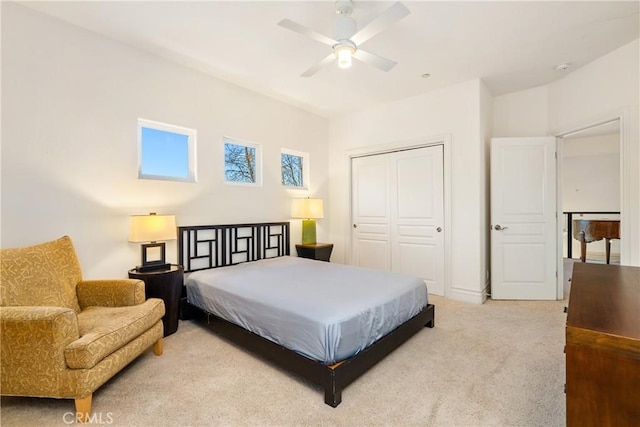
[153, 257]
[309, 232]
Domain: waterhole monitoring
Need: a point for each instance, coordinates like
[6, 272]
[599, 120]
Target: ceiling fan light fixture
[344, 54]
[344, 51]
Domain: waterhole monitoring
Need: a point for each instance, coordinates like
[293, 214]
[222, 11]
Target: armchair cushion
[40, 275]
[110, 293]
[103, 330]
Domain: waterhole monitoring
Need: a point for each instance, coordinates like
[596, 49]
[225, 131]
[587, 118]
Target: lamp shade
[307, 208]
[152, 228]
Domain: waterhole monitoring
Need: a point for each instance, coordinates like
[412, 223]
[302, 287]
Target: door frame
[428, 141]
[625, 189]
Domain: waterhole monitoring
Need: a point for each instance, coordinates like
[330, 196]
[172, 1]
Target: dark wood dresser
[603, 346]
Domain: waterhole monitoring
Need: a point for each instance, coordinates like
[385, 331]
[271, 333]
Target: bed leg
[431, 323]
[332, 397]
[186, 311]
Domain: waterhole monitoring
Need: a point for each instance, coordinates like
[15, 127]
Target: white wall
[591, 173]
[523, 113]
[453, 111]
[71, 100]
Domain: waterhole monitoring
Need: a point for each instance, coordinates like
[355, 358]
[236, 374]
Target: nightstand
[319, 251]
[165, 284]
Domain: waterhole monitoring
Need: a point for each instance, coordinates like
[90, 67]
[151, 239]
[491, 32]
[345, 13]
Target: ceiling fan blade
[294, 26]
[311, 71]
[388, 17]
[375, 60]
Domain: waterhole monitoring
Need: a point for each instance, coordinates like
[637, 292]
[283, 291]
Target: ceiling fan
[348, 38]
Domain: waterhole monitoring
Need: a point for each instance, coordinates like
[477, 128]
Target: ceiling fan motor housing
[346, 27]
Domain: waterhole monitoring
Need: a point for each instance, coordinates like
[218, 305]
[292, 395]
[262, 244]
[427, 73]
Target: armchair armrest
[34, 339]
[110, 293]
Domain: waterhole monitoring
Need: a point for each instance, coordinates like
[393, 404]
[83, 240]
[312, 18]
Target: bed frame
[212, 246]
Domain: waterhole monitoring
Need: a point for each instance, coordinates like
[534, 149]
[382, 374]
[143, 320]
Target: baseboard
[465, 295]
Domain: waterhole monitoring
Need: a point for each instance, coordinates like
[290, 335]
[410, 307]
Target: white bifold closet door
[398, 213]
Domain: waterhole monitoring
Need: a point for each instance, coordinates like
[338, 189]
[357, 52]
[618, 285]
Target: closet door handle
[439, 229]
[355, 225]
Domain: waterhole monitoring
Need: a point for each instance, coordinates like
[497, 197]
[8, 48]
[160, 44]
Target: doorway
[561, 229]
[590, 188]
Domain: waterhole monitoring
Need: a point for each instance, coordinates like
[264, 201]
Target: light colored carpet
[497, 364]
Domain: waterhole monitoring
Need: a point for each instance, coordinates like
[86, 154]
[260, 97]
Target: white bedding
[327, 312]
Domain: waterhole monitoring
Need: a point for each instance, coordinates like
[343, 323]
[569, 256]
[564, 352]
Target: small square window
[242, 162]
[166, 152]
[294, 169]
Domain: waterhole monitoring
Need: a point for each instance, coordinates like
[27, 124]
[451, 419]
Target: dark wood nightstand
[319, 251]
[167, 285]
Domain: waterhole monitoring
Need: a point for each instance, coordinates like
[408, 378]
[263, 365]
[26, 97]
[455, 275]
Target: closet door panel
[398, 213]
[371, 246]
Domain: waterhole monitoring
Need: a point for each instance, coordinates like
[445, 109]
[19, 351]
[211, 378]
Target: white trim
[258, 165]
[191, 135]
[465, 295]
[559, 222]
[445, 141]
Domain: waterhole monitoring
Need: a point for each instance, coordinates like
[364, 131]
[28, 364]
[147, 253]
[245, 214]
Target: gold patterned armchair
[63, 337]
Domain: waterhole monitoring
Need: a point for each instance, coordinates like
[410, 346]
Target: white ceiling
[509, 45]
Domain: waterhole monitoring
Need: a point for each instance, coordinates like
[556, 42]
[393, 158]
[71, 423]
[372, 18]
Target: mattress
[326, 312]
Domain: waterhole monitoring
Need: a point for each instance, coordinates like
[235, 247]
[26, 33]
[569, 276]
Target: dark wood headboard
[209, 246]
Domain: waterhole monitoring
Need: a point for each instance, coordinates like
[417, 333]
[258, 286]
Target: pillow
[40, 275]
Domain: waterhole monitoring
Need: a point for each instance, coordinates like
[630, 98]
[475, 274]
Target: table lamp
[151, 229]
[309, 210]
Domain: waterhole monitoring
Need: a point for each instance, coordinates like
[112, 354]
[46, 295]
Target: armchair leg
[83, 409]
[157, 347]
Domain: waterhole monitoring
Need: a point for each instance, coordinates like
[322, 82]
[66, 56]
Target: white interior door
[371, 238]
[398, 213]
[523, 218]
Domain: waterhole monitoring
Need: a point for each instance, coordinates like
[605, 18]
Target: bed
[328, 323]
